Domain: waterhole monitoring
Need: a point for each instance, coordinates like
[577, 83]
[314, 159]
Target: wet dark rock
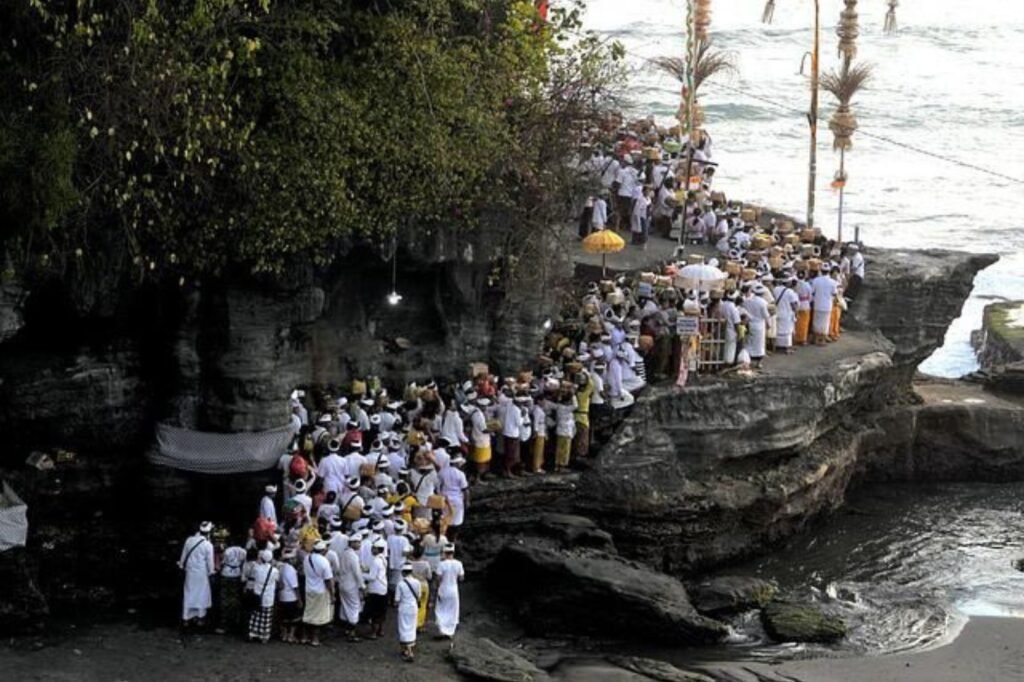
[794, 622]
[575, 531]
[912, 295]
[1007, 379]
[1001, 338]
[731, 594]
[482, 659]
[23, 608]
[656, 670]
[597, 593]
[11, 318]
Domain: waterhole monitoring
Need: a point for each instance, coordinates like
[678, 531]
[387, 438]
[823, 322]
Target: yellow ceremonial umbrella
[603, 242]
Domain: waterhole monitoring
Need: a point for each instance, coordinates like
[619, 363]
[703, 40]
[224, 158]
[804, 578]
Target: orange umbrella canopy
[603, 241]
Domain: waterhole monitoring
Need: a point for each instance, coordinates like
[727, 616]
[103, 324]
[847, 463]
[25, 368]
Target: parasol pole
[604, 265]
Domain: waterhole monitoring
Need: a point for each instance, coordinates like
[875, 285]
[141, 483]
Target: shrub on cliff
[179, 138]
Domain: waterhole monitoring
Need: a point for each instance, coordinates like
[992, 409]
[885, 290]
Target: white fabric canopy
[13, 519]
[219, 453]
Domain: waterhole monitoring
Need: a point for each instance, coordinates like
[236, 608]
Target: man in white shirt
[350, 586]
[756, 308]
[627, 181]
[377, 588]
[856, 278]
[267, 509]
[455, 487]
[730, 315]
[197, 563]
[511, 425]
[823, 290]
[332, 468]
[319, 588]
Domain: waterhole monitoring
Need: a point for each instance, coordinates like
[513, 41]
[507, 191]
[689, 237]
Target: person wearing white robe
[758, 316]
[377, 588]
[446, 611]
[787, 302]
[267, 509]
[407, 598]
[197, 562]
[455, 487]
[823, 291]
[350, 586]
[332, 468]
[731, 319]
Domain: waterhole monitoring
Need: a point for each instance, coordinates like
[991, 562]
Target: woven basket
[749, 274]
[695, 259]
[733, 268]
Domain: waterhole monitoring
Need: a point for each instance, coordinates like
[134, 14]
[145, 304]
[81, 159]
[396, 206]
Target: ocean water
[950, 81]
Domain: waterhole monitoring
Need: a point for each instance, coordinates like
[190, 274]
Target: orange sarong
[833, 327]
[803, 325]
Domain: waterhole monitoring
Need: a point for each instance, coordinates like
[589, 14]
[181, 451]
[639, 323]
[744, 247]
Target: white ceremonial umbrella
[702, 277]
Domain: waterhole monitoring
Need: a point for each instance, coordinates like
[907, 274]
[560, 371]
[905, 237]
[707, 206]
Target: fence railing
[712, 345]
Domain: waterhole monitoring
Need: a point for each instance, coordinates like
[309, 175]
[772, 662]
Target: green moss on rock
[792, 622]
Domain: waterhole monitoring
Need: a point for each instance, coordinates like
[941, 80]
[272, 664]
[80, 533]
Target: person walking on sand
[197, 563]
[319, 588]
[407, 599]
[450, 573]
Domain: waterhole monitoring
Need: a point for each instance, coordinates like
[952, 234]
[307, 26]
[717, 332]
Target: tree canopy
[181, 137]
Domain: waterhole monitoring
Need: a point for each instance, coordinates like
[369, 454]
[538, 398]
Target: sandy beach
[987, 650]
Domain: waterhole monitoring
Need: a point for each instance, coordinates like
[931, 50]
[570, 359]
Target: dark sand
[988, 650]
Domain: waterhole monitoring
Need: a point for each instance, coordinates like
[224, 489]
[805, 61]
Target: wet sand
[987, 650]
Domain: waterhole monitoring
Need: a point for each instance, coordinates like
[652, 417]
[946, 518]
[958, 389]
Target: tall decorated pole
[843, 84]
[691, 50]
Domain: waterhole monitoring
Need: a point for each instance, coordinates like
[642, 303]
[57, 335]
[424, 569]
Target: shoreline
[986, 650]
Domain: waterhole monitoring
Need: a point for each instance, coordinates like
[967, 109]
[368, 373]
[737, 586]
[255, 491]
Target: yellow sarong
[539, 443]
[421, 615]
[563, 450]
[480, 455]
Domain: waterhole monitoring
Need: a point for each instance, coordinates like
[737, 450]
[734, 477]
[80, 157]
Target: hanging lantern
[890, 17]
[702, 19]
[842, 124]
[769, 12]
[848, 31]
[839, 180]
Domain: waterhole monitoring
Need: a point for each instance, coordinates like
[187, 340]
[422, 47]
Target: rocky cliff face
[700, 476]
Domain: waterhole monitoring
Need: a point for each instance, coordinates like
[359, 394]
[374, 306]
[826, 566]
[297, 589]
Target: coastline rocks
[600, 594]
[482, 659]
[1002, 334]
[24, 609]
[731, 594]
[793, 622]
[11, 318]
[911, 296]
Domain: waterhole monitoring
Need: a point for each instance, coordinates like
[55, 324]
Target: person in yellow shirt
[584, 392]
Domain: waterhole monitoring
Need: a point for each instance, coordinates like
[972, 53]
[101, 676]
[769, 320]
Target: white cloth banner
[13, 519]
[219, 453]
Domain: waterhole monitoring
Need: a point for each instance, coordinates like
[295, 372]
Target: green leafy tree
[184, 138]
